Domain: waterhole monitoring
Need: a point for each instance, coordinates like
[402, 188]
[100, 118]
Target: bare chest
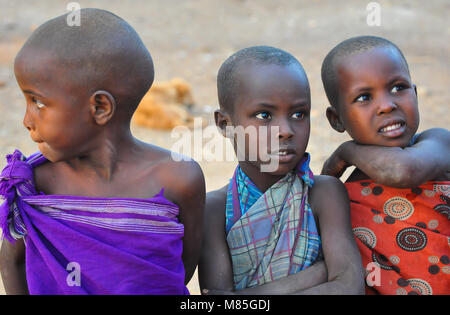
[123, 185]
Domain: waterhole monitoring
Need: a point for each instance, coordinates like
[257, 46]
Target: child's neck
[103, 160]
[262, 180]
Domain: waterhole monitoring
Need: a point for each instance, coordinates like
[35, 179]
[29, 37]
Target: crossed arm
[427, 159]
[215, 268]
[345, 273]
[339, 273]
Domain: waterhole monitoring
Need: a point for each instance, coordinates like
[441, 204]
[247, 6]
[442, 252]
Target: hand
[335, 165]
[217, 292]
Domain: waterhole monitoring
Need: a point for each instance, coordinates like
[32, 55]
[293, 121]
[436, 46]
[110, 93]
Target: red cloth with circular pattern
[403, 236]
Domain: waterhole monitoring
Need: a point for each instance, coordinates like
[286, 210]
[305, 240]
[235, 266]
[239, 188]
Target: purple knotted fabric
[84, 245]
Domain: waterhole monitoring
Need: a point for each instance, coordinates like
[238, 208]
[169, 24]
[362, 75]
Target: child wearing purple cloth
[96, 211]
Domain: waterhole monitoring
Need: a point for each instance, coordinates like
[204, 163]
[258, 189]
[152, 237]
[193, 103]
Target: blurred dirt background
[191, 38]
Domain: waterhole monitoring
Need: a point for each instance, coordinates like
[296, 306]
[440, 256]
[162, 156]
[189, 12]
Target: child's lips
[283, 155]
[393, 129]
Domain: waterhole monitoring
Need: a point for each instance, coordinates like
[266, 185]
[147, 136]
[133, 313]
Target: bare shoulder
[42, 172]
[325, 185]
[432, 149]
[327, 190]
[183, 180]
[180, 176]
[47, 176]
[434, 140]
[435, 134]
[215, 206]
[216, 197]
[185, 170]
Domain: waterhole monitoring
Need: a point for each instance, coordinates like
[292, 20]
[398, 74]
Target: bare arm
[215, 267]
[12, 267]
[292, 284]
[427, 159]
[188, 191]
[341, 272]
[341, 255]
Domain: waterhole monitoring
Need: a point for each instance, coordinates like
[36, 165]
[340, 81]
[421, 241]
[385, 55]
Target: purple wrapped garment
[83, 245]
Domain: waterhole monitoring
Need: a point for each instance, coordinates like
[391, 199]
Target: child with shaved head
[399, 190]
[271, 231]
[95, 211]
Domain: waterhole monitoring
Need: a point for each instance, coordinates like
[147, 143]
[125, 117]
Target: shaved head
[351, 46]
[103, 53]
[228, 75]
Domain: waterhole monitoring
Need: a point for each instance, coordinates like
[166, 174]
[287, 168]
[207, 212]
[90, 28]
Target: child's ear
[102, 106]
[222, 120]
[333, 118]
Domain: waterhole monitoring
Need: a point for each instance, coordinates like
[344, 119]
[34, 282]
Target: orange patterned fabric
[403, 236]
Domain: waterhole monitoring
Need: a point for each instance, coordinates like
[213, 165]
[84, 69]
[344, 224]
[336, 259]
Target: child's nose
[386, 105]
[28, 122]
[285, 132]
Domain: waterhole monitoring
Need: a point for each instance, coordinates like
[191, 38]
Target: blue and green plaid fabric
[248, 195]
[273, 234]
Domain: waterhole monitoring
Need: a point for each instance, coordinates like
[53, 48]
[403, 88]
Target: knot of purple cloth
[16, 180]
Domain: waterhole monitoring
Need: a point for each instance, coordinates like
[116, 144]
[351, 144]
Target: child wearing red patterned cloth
[400, 189]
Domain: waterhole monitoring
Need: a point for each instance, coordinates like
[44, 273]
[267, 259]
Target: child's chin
[401, 143]
[276, 170]
[50, 154]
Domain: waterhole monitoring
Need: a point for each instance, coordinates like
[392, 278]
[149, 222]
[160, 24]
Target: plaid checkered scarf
[271, 234]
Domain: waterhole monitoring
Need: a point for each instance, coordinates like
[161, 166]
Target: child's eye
[38, 103]
[397, 88]
[362, 98]
[298, 115]
[263, 116]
